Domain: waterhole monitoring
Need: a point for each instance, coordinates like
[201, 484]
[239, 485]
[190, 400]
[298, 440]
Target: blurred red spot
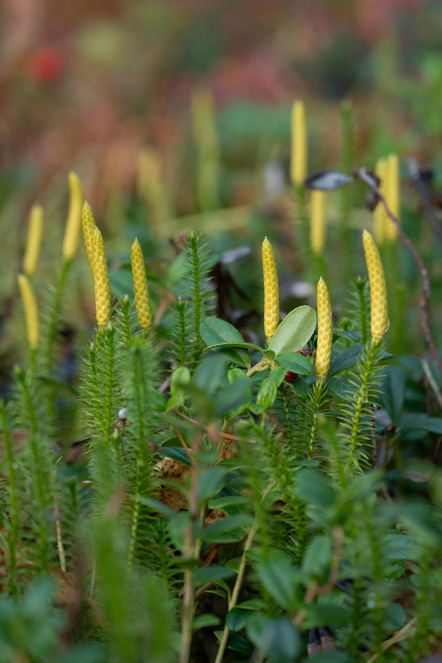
[45, 65]
[290, 376]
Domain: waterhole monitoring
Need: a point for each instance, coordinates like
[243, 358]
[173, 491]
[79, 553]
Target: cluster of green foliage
[219, 510]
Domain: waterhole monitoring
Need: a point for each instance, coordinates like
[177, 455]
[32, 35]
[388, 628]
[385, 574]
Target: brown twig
[365, 176]
[209, 429]
[239, 579]
[190, 551]
[395, 638]
[424, 193]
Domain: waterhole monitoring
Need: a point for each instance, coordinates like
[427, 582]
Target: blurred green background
[176, 115]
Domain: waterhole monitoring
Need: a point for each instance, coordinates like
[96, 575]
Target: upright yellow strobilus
[101, 280]
[271, 290]
[381, 219]
[325, 330]
[140, 286]
[378, 289]
[33, 241]
[72, 231]
[88, 223]
[392, 196]
[30, 308]
[298, 163]
[317, 222]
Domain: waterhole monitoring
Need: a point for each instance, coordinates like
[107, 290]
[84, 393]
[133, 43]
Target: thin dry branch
[365, 176]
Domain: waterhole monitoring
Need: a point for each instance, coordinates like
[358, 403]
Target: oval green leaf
[294, 331]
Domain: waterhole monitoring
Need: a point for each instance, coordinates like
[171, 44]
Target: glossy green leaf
[280, 578]
[205, 620]
[295, 362]
[294, 332]
[340, 361]
[180, 377]
[392, 393]
[210, 374]
[211, 574]
[279, 638]
[210, 483]
[235, 397]
[421, 422]
[226, 530]
[317, 557]
[220, 334]
[350, 335]
[314, 489]
[266, 394]
[326, 614]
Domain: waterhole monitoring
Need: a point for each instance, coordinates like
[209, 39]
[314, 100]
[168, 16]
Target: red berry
[45, 65]
[290, 376]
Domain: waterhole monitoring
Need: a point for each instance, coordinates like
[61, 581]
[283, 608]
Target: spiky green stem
[15, 509]
[40, 478]
[316, 402]
[365, 374]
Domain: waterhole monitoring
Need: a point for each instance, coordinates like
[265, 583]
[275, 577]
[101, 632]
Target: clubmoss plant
[378, 289]
[271, 290]
[235, 479]
[298, 170]
[317, 222]
[298, 163]
[101, 280]
[73, 224]
[325, 331]
[33, 241]
[30, 309]
[140, 286]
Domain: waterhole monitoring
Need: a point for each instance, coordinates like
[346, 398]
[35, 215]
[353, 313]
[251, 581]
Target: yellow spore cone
[298, 165]
[140, 286]
[378, 289]
[70, 240]
[30, 308]
[271, 290]
[101, 280]
[317, 222]
[392, 196]
[33, 241]
[88, 223]
[325, 330]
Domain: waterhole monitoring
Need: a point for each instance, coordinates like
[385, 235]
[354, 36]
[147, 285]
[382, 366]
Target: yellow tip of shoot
[378, 289]
[298, 165]
[33, 241]
[70, 241]
[88, 223]
[325, 330]
[101, 280]
[30, 308]
[271, 290]
[317, 222]
[140, 286]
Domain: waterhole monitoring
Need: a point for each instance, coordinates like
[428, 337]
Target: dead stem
[365, 176]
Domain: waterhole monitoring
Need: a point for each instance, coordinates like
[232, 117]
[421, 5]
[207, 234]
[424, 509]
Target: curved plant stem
[238, 582]
[426, 290]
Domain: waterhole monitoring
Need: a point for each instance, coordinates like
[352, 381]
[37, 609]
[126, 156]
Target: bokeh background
[87, 85]
[176, 113]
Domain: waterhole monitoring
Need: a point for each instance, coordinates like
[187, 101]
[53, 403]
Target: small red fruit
[290, 376]
[45, 65]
